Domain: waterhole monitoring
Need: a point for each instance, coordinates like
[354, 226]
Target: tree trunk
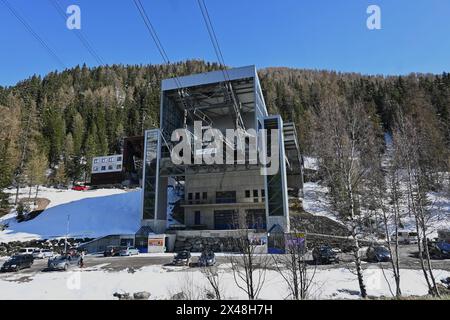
[362, 286]
[17, 195]
[36, 195]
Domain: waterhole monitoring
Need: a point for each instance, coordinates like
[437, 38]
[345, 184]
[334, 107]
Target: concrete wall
[228, 181]
[207, 212]
[99, 245]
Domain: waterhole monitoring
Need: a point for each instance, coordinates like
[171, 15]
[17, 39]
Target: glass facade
[274, 182]
[151, 172]
[172, 117]
[256, 218]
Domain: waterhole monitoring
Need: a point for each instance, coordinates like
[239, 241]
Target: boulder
[141, 295]
[122, 296]
[179, 296]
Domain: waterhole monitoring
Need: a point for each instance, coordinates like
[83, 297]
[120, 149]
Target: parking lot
[408, 255]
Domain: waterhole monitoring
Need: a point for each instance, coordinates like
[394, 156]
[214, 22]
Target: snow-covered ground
[310, 163]
[164, 282]
[91, 214]
[316, 202]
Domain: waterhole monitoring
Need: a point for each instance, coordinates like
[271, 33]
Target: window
[110, 167]
[103, 160]
[189, 196]
[247, 193]
[119, 167]
[95, 168]
[226, 197]
[103, 168]
[111, 159]
[119, 159]
[197, 196]
[255, 193]
[205, 195]
[95, 160]
[263, 193]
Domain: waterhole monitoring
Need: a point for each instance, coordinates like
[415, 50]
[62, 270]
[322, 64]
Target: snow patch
[89, 214]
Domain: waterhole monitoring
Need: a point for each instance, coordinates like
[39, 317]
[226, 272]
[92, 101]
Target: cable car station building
[220, 197]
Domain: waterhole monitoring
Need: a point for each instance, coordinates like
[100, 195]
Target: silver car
[129, 251]
[64, 262]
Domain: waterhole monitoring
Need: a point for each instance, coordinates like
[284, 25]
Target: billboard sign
[156, 244]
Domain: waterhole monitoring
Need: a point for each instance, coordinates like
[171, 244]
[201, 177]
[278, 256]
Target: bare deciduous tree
[293, 267]
[213, 277]
[412, 142]
[248, 265]
[345, 143]
[387, 195]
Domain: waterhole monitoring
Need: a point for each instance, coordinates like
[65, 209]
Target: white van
[43, 254]
[26, 251]
[405, 237]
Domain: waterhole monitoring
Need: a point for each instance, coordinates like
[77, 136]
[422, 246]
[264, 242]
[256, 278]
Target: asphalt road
[111, 264]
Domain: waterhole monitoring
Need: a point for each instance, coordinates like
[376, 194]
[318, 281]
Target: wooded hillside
[62, 120]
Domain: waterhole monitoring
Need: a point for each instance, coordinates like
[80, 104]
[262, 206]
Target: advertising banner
[156, 244]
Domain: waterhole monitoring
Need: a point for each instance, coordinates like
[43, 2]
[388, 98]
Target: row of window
[110, 159]
[197, 196]
[255, 193]
[110, 167]
[224, 196]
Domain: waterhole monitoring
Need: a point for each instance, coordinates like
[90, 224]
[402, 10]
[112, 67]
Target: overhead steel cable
[236, 114]
[213, 37]
[165, 57]
[156, 40]
[34, 33]
[84, 41]
[152, 30]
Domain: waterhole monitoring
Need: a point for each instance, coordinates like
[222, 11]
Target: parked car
[43, 254]
[378, 254]
[207, 259]
[405, 237]
[27, 251]
[129, 251]
[182, 258]
[325, 255]
[17, 262]
[439, 250]
[80, 188]
[64, 262]
[112, 251]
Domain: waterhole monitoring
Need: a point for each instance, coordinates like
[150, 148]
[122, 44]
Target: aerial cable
[84, 41]
[239, 123]
[34, 33]
[213, 37]
[152, 31]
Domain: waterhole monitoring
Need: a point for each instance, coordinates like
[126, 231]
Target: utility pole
[67, 233]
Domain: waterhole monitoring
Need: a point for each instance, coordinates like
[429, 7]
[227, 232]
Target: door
[225, 219]
[197, 218]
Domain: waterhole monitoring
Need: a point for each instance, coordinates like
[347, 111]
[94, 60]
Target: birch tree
[411, 145]
[345, 143]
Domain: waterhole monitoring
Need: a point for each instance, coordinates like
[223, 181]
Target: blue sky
[313, 34]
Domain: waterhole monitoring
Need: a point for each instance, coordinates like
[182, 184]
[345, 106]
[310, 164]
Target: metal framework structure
[234, 104]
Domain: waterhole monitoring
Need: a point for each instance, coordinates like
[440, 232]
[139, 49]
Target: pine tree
[36, 171]
[61, 175]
